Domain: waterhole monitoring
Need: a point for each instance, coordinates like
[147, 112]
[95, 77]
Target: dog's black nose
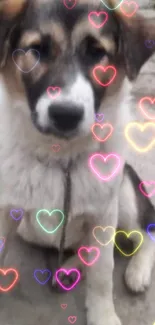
[65, 117]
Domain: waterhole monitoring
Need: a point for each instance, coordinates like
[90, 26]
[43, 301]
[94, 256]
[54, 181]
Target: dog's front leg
[99, 297]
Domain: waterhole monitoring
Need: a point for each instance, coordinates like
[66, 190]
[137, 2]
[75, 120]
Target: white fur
[33, 179]
[80, 94]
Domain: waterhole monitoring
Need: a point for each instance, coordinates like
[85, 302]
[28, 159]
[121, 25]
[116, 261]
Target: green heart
[49, 213]
[114, 7]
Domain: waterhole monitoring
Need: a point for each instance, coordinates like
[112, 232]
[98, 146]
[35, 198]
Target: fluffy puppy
[63, 49]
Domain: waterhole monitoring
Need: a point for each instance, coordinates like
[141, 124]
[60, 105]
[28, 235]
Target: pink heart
[89, 250]
[69, 4]
[94, 14]
[143, 109]
[53, 92]
[104, 159]
[72, 319]
[147, 185]
[126, 8]
[67, 272]
[63, 306]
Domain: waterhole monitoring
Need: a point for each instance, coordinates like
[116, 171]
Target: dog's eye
[93, 50]
[44, 48]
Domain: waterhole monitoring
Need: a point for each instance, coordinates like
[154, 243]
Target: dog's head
[68, 60]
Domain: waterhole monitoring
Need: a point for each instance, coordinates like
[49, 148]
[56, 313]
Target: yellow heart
[103, 229]
[142, 127]
[128, 235]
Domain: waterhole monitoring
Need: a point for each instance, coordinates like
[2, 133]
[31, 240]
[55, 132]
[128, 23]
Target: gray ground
[30, 303]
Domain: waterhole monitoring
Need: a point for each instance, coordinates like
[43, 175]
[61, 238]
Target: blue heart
[149, 43]
[42, 272]
[152, 225]
[1, 244]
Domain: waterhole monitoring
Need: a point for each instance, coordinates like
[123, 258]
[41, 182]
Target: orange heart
[142, 127]
[107, 126]
[4, 272]
[151, 101]
[98, 228]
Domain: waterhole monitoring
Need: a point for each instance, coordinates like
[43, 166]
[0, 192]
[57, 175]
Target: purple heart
[42, 272]
[99, 117]
[148, 231]
[16, 214]
[149, 43]
[2, 241]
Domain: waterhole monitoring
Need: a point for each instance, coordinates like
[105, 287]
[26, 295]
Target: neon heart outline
[42, 271]
[67, 6]
[4, 272]
[16, 210]
[102, 127]
[148, 47]
[25, 54]
[97, 14]
[56, 145]
[128, 235]
[3, 243]
[97, 120]
[104, 70]
[105, 159]
[64, 306]
[89, 249]
[70, 321]
[112, 8]
[141, 126]
[129, 15]
[143, 110]
[148, 231]
[53, 88]
[49, 214]
[103, 229]
[147, 183]
[68, 272]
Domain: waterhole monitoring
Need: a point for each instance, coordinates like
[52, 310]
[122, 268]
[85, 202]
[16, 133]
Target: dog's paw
[101, 311]
[137, 276]
[104, 318]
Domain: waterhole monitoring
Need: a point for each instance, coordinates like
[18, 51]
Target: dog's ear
[10, 11]
[133, 33]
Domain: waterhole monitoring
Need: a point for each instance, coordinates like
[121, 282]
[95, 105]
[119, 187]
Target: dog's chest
[34, 187]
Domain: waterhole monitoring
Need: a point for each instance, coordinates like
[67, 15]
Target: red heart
[72, 319]
[94, 14]
[107, 126]
[4, 272]
[56, 147]
[104, 69]
[147, 184]
[69, 4]
[53, 92]
[151, 101]
[126, 3]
